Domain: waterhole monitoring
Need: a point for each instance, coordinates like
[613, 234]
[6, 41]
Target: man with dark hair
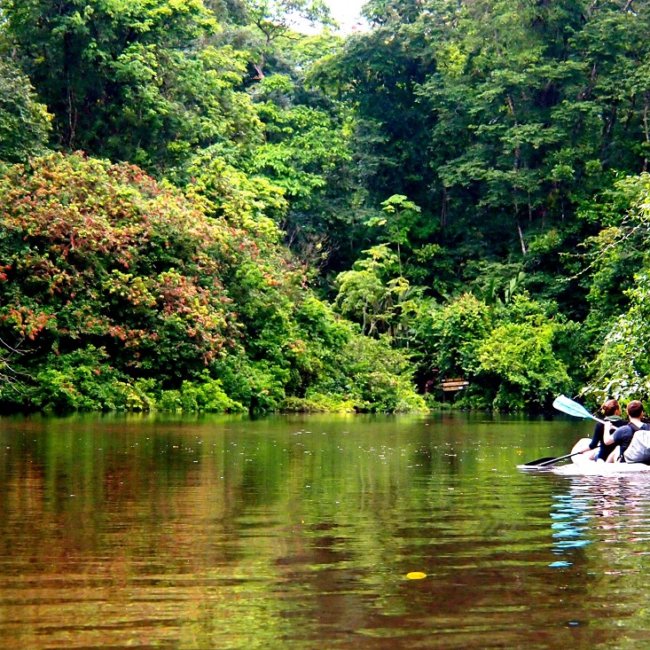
[623, 435]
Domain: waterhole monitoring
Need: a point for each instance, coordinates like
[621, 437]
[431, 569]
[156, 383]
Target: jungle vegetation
[203, 208]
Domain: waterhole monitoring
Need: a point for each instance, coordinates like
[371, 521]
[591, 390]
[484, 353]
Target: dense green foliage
[122, 293]
[262, 220]
[24, 122]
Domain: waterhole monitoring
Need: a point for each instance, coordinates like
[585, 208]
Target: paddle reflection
[570, 515]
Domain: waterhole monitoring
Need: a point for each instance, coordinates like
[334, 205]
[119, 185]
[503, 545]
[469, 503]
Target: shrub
[521, 358]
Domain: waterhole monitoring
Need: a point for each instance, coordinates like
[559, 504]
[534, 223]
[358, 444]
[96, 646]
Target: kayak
[582, 465]
[592, 468]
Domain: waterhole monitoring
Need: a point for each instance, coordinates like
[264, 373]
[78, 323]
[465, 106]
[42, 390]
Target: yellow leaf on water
[416, 575]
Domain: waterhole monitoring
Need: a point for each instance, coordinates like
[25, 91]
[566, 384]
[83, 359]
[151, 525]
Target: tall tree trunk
[522, 241]
[646, 128]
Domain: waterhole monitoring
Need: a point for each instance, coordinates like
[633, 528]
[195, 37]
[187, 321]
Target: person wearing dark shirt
[622, 436]
[611, 412]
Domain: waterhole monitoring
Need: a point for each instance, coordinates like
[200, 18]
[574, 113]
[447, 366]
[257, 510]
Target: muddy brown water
[299, 532]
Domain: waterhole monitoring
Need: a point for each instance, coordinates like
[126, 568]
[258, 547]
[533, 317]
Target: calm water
[299, 532]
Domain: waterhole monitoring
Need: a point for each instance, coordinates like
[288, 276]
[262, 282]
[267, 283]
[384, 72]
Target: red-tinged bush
[95, 253]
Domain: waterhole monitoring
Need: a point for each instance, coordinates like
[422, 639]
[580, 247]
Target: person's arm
[597, 437]
[608, 434]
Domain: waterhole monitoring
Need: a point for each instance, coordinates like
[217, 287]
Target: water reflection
[290, 532]
[611, 512]
[570, 515]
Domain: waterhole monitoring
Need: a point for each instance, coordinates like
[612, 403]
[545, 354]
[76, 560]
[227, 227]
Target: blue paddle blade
[568, 406]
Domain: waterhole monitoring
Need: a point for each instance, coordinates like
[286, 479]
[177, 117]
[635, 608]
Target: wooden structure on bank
[453, 385]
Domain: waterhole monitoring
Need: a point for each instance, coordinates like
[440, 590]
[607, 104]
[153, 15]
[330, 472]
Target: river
[314, 532]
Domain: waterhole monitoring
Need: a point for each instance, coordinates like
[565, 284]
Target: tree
[374, 293]
[399, 215]
[497, 119]
[9, 376]
[275, 19]
[307, 151]
[450, 335]
[619, 284]
[521, 356]
[130, 295]
[129, 81]
[24, 122]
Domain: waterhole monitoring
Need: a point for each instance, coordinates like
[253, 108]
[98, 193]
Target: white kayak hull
[582, 465]
[601, 469]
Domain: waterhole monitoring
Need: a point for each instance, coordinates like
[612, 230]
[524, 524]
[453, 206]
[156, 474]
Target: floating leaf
[415, 575]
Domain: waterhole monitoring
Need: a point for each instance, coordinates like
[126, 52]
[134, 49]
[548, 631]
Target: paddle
[549, 460]
[568, 406]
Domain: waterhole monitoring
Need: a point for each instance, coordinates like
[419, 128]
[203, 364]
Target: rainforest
[206, 207]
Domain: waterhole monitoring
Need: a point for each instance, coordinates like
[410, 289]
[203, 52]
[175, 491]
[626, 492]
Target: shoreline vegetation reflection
[223, 532]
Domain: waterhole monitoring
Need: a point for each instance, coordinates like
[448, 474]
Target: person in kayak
[622, 436]
[611, 412]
